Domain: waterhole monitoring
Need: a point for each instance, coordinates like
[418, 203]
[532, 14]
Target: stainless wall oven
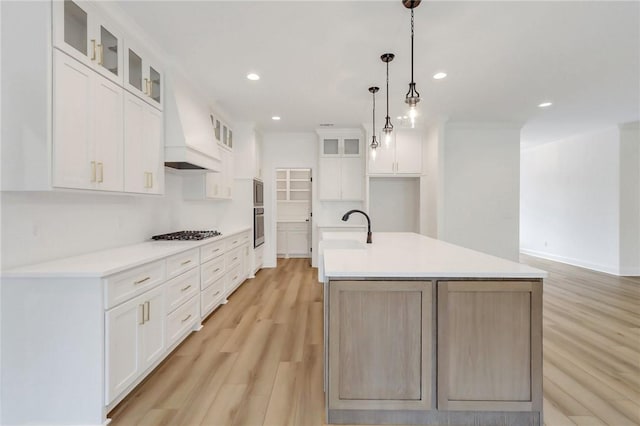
[258, 226]
[258, 193]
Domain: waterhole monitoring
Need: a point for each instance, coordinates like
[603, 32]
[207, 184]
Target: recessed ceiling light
[440, 75]
[405, 117]
[275, 117]
[545, 104]
[253, 76]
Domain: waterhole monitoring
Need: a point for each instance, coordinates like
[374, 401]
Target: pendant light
[413, 97]
[388, 127]
[374, 141]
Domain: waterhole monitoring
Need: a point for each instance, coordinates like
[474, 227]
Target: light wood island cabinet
[418, 331]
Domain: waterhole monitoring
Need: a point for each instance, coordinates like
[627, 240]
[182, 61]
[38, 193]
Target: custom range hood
[190, 143]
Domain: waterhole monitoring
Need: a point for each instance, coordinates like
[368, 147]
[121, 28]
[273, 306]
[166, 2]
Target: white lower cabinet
[135, 339]
[293, 239]
[182, 320]
[122, 323]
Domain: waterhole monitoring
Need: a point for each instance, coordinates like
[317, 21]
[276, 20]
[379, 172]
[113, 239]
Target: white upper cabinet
[85, 34]
[401, 156]
[87, 128]
[341, 165]
[142, 75]
[143, 144]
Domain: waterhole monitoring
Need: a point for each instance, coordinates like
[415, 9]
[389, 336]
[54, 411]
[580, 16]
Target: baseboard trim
[572, 261]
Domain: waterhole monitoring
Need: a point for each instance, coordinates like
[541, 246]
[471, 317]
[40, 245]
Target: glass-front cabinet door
[82, 33]
[141, 76]
[330, 147]
[351, 147]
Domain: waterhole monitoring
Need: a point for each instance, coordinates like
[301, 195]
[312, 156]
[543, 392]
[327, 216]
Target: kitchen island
[419, 331]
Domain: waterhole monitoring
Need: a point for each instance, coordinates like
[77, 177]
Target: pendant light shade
[388, 127]
[374, 141]
[413, 96]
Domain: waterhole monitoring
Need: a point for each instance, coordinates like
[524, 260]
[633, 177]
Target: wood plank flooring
[258, 359]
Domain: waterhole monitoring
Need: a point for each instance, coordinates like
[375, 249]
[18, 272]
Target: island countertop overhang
[410, 255]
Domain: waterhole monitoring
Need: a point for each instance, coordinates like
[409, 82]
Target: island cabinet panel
[489, 345]
[380, 345]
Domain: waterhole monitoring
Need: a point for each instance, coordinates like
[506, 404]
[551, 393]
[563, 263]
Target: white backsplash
[41, 226]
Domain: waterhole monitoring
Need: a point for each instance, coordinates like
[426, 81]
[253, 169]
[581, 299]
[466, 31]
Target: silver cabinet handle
[235, 278]
[216, 270]
[142, 280]
[217, 293]
[185, 288]
[148, 310]
[235, 258]
[188, 316]
[185, 262]
[142, 319]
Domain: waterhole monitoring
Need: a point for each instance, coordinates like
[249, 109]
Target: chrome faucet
[345, 217]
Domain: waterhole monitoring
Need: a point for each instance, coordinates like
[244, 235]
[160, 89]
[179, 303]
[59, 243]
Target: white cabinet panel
[298, 243]
[341, 165]
[152, 336]
[122, 358]
[351, 179]
[383, 161]
[402, 156]
[73, 165]
[87, 128]
[135, 334]
[144, 167]
[107, 135]
[329, 181]
[281, 236]
[408, 152]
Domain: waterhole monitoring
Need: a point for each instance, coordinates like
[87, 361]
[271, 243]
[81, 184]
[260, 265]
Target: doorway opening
[293, 218]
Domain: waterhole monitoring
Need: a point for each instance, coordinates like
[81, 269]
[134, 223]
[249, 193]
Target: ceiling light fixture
[388, 127]
[412, 97]
[545, 104]
[253, 76]
[374, 142]
[275, 118]
[439, 75]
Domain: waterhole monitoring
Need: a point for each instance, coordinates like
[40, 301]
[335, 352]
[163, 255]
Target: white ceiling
[316, 60]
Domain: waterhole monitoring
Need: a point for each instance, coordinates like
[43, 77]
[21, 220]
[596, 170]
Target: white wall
[570, 200]
[630, 199]
[431, 194]
[480, 187]
[394, 204]
[41, 226]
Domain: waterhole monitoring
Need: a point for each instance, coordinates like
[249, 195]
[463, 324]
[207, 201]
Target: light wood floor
[258, 359]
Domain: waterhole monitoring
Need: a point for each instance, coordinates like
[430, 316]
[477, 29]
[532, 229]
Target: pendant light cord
[387, 91]
[374, 114]
[411, 45]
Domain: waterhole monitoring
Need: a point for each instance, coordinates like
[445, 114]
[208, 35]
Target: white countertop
[106, 262]
[405, 254]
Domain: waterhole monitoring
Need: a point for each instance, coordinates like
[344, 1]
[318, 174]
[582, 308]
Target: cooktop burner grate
[187, 235]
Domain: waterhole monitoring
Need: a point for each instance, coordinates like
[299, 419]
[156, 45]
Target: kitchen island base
[454, 351]
[457, 418]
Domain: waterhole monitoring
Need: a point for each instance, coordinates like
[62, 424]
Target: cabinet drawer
[211, 251]
[182, 262]
[233, 241]
[211, 272]
[212, 296]
[125, 285]
[182, 320]
[182, 288]
[233, 258]
[234, 278]
[245, 238]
